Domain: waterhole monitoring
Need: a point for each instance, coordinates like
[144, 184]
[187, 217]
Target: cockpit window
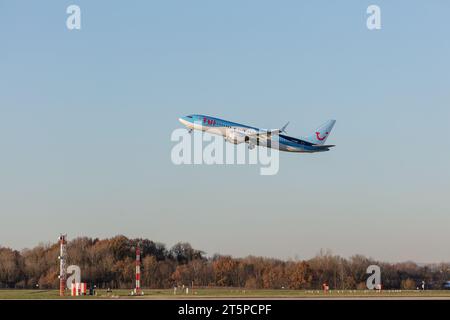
[189, 117]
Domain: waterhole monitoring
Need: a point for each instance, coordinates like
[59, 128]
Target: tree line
[110, 263]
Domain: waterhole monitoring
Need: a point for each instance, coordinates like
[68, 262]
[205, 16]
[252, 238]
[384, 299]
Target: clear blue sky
[86, 118]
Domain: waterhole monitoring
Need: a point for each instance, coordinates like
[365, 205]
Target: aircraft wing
[267, 133]
[263, 133]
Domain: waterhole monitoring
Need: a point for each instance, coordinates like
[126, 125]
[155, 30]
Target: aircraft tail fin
[321, 134]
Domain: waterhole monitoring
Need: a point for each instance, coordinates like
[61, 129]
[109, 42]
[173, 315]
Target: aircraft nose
[183, 120]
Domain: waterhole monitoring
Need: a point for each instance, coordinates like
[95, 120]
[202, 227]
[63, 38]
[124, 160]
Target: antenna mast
[62, 264]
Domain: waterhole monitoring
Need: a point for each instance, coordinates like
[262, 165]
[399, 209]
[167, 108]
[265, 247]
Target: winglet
[283, 129]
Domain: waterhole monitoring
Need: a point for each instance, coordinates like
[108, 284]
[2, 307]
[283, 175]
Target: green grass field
[226, 293]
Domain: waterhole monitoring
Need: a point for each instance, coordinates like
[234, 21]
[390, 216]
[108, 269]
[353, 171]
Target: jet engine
[236, 137]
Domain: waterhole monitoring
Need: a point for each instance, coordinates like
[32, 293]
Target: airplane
[238, 133]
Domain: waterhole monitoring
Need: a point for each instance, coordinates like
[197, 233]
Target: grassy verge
[223, 293]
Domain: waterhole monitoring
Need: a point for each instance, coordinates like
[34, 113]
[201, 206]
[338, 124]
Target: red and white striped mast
[137, 290]
[62, 264]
